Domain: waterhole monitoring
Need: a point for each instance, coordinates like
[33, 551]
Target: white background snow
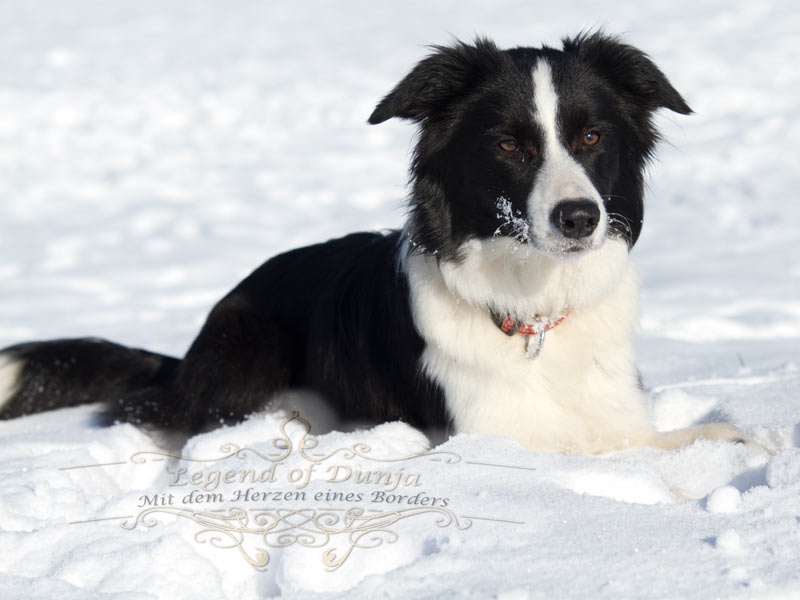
[152, 153]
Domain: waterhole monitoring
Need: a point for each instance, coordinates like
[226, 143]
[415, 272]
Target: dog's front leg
[720, 432]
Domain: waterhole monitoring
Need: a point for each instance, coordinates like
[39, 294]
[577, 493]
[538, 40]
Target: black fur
[331, 318]
[62, 373]
[335, 318]
[469, 97]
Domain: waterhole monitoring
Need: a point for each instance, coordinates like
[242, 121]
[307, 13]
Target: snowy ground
[154, 152]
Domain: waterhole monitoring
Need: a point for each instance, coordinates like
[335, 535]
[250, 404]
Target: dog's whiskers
[620, 222]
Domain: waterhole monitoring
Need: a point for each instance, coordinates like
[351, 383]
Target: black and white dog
[506, 305]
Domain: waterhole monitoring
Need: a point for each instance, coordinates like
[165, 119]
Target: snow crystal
[513, 223]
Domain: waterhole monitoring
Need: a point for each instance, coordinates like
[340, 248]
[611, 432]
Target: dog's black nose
[576, 218]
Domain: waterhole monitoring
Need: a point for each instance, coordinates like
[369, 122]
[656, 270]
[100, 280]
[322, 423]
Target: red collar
[510, 326]
[533, 332]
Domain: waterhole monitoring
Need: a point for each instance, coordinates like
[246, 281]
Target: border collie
[506, 305]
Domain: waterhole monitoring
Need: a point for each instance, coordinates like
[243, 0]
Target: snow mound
[725, 499]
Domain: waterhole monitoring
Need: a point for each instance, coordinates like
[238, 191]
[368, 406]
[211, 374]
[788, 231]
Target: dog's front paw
[725, 432]
[722, 432]
[717, 432]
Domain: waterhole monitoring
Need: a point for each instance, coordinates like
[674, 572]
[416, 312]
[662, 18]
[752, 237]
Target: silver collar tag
[534, 343]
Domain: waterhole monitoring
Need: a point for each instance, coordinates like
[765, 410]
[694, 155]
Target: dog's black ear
[438, 80]
[629, 70]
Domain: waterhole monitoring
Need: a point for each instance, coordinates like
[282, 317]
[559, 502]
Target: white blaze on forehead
[560, 177]
[545, 102]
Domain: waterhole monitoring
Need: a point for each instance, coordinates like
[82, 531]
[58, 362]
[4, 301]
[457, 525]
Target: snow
[729, 541]
[725, 499]
[153, 153]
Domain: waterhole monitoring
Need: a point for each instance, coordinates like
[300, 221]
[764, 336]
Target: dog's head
[543, 146]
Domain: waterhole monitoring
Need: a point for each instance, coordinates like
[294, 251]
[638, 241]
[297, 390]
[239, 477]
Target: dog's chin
[562, 248]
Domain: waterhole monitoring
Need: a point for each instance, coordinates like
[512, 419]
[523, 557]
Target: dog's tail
[133, 384]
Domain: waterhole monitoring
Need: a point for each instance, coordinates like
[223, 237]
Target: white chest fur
[581, 393]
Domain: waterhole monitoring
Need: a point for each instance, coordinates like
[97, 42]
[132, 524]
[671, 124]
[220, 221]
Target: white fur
[579, 395]
[561, 177]
[10, 370]
[502, 274]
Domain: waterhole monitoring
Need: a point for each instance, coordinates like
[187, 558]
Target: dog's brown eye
[590, 138]
[509, 145]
